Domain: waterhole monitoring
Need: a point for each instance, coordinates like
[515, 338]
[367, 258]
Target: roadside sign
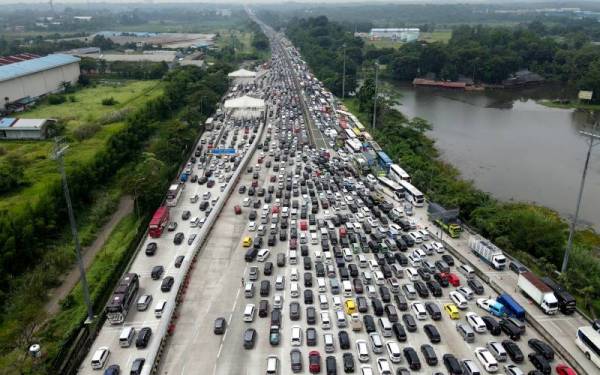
[223, 151]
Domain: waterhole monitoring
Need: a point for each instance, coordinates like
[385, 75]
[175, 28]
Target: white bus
[412, 194]
[173, 194]
[588, 340]
[398, 174]
[394, 187]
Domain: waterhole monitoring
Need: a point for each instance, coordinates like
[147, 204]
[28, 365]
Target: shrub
[85, 131]
[55, 99]
[109, 101]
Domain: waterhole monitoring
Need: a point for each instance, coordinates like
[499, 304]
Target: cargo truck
[488, 252]
[445, 219]
[566, 302]
[540, 293]
[511, 307]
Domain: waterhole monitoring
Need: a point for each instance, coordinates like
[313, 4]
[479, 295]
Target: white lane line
[236, 300]
[183, 369]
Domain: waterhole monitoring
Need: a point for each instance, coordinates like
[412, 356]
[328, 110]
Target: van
[318, 256]
[159, 309]
[465, 332]
[329, 345]
[497, 351]
[419, 310]
[379, 278]
[321, 284]
[467, 271]
[294, 289]
[486, 359]
[362, 261]
[293, 257]
[296, 336]
[326, 323]
[249, 290]
[416, 236]
[272, 365]
[411, 273]
[386, 327]
[373, 265]
[347, 254]
[340, 318]
[324, 234]
[143, 302]
[410, 291]
[100, 357]
[249, 313]
[367, 278]
[279, 282]
[314, 239]
[323, 301]
[126, 337]
[194, 222]
[376, 342]
[470, 368]
[263, 254]
[347, 285]
[335, 285]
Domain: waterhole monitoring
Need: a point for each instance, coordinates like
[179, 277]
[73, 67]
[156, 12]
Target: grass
[39, 167]
[243, 40]
[572, 105]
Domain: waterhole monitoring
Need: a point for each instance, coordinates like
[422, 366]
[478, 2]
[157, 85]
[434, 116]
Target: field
[86, 109]
[242, 40]
[436, 36]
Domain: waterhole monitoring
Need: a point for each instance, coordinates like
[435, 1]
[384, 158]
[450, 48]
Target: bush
[55, 99]
[109, 101]
[86, 131]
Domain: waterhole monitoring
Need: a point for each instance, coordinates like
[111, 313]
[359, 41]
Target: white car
[366, 370]
[278, 301]
[512, 370]
[251, 226]
[485, 303]
[394, 352]
[459, 300]
[475, 322]
[486, 359]
[438, 246]
[363, 350]
[466, 292]
[384, 366]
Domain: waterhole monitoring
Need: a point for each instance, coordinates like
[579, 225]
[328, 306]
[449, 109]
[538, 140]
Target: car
[393, 350]
[452, 364]
[157, 272]
[510, 329]
[151, 248]
[167, 284]
[475, 322]
[178, 239]
[143, 337]
[330, 365]
[513, 351]
[429, 354]
[487, 359]
[432, 333]
[513, 370]
[452, 311]
[112, 370]
[172, 226]
[249, 338]
[296, 360]
[344, 340]
[314, 362]
[272, 364]
[384, 366]
[348, 362]
[412, 358]
[220, 326]
[540, 363]
[542, 348]
[492, 325]
[409, 322]
[311, 336]
[137, 365]
[562, 369]
[476, 286]
[363, 350]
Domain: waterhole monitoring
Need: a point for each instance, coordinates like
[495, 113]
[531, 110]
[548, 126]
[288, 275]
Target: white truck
[488, 252]
[538, 291]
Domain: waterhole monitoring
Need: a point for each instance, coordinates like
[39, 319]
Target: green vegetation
[429, 37]
[237, 46]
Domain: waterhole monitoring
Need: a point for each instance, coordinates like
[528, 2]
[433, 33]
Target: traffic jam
[342, 278]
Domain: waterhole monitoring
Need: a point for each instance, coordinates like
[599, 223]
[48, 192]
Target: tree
[419, 124]
[145, 182]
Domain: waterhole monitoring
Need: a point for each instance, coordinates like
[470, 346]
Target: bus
[412, 194]
[122, 298]
[398, 174]
[350, 133]
[588, 340]
[173, 194]
[384, 160]
[394, 187]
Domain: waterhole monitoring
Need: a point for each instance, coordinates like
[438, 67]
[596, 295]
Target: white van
[294, 274]
[249, 313]
[279, 282]
[328, 258]
[293, 257]
[323, 303]
[373, 265]
[194, 222]
[459, 300]
[362, 261]
[411, 273]
[321, 284]
[314, 239]
[419, 310]
[159, 309]
[249, 290]
[318, 257]
[379, 278]
[326, 322]
[347, 254]
[376, 342]
[486, 359]
[341, 319]
[367, 277]
[126, 337]
[324, 234]
[347, 286]
[100, 357]
[294, 289]
[296, 336]
[329, 345]
[467, 270]
[386, 327]
[263, 254]
[416, 236]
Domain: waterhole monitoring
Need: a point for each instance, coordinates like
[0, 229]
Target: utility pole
[375, 96]
[594, 139]
[57, 154]
[344, 75]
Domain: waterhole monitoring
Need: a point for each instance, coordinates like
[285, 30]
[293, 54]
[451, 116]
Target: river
[511, 146]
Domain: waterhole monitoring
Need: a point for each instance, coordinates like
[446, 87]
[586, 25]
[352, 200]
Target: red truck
[159, 221]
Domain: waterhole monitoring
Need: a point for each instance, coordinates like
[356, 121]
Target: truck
[492, 306]
[159, 221]
[445, 219]
[511, 307]
[540, 293]
[566, 302]
[488, 252]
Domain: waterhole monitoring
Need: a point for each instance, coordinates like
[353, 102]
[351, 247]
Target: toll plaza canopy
[245, 107]
[242, 76]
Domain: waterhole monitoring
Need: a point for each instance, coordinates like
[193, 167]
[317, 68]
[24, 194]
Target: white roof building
[245, 106]
[24, 128]
[242, 76]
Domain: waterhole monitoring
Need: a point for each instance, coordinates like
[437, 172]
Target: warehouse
[29, 79]
[13, 128]
[400, 34]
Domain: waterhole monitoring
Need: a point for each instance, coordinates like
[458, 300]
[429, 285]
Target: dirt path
[70, 280]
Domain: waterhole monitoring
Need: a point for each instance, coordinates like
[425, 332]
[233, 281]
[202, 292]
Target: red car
[314, 362]
[254, 183]
[238, 210]
[293, 244]
[563, 369]
[275, 209]
[303, 225]
[452, 278]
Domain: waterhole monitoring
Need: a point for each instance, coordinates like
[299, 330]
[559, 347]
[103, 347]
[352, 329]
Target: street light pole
[57, 155]
[375, 99]
[594, 139]
[344, 75]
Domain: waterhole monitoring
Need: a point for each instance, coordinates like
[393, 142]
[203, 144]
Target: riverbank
[570, 105]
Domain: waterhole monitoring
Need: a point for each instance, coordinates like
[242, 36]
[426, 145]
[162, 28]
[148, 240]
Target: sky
[279, 1]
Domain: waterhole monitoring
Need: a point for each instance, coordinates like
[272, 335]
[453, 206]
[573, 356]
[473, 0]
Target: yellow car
[247, 242]
[452, 311]
[350, 306]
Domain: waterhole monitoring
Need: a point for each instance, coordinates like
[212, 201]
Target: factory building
[24, 81]
[400, 34]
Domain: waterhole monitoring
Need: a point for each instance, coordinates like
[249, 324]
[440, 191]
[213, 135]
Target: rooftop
[22, 124]
[27, 67]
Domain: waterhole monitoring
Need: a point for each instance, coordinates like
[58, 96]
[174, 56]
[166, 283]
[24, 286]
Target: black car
[433, 310]
[442, 280]
[412, 358]
[540, 362]
[143, 337]
[492, 325]
[432, 333]
[311, 315]
[429, 354]
[510, 329]
[513, 351]
[220, 326]
[137, 366]
[179, 237]
[179, 261]
[448, 259]
[542, 348]
[186, 215]
[268, 269]
[348, 360]
[442, 266]
[401, 302]
[296, 360]
[242, 189]
[330, 365]
[311, 336]
[308, 283]
[391, 313]
[477, 286]
[434, 287]
[377, 306]
[249, 338]
[385, 294]
[344, 340]
[452, 364]
[157, 272]
[421, 288]
[361, 303]
[409, 322]
[151, 248]
[399, 331]
[167, 284]
[369, 323]
[112, 370]
[263, 308]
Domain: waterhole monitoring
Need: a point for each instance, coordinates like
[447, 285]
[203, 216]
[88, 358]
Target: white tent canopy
[245, 102]
[242, 73]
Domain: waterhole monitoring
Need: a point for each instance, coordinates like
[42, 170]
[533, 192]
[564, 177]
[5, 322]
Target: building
[36, 77]
[400, 34]
[14, 128]
[242, 76]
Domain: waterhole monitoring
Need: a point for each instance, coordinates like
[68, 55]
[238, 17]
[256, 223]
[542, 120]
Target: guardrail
[528, 317]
